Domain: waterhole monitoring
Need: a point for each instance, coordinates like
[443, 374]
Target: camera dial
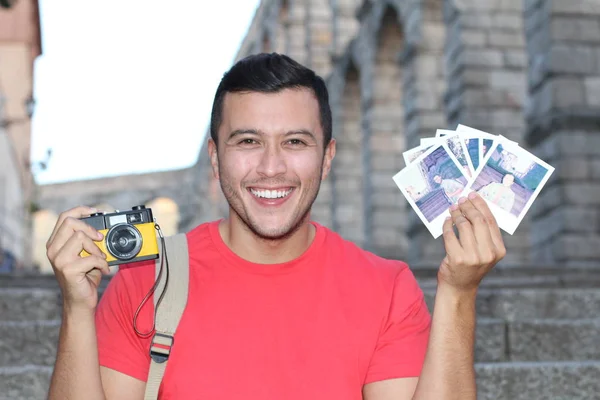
[124, 241]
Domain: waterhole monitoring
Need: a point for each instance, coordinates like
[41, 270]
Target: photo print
[431, 184]
[509, 180]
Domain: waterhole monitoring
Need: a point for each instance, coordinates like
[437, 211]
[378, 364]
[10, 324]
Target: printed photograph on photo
[459, 149]
[473, 150]
[486, 145]
[509, 181]
[412, 154]
[431, 184]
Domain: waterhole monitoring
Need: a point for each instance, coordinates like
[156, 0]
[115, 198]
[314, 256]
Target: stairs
[538, 333]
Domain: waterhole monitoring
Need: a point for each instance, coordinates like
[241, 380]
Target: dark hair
[270, 73]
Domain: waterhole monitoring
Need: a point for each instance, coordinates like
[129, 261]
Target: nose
[272, 162]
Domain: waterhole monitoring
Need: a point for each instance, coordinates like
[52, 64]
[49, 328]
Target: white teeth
[270, 194]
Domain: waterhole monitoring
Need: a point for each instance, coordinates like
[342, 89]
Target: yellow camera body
[129, 236]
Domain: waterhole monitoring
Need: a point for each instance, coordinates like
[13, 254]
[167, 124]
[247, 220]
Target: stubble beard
[299, 217]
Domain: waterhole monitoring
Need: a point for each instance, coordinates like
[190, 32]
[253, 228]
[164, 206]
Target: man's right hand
[77, 276]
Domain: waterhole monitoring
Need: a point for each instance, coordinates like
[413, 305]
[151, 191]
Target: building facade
[20, 44]
[397, 70]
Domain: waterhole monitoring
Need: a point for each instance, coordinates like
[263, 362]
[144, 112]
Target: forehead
[289, 109]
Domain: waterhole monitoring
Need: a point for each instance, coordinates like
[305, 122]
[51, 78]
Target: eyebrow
[257, 132]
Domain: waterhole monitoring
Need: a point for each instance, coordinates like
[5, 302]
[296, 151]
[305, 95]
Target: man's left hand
[477, 249]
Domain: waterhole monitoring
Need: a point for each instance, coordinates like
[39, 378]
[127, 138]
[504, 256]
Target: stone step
[495, 381]
[538, 380]
[537, 340]
[525, 303]
[28, 382]
[34, 342]
[28, 342]
[28, 304]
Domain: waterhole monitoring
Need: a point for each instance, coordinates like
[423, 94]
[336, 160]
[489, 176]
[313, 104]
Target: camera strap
[174, 284]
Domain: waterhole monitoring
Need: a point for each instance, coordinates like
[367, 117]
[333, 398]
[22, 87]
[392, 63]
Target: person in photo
[500, 194]
[452, 188]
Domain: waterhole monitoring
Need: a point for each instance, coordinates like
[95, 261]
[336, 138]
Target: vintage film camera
[129, 236]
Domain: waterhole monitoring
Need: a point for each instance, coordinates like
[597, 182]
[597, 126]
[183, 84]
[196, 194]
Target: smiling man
[279, 306]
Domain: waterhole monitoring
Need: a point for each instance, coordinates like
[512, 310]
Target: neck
[247, 245]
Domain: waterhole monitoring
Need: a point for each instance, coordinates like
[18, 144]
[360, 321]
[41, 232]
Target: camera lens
[124, 241]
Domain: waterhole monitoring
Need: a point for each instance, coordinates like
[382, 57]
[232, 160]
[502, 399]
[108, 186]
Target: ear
[328, 158]
[214, 157]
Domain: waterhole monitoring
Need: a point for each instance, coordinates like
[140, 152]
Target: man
[451, 187]
[500, 194]
[279, 307]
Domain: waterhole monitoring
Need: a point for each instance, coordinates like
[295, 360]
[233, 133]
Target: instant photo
[431, 184]
[509, 180]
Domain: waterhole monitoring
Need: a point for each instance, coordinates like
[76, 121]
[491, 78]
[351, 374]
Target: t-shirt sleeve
[119, 347]
[402, 343]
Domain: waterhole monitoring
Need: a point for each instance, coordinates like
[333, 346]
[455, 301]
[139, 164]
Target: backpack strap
[168, 314]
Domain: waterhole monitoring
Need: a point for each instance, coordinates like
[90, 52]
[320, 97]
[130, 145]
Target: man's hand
[77, 276]
[477, 249]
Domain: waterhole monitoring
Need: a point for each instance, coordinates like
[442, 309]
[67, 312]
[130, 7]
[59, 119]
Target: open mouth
[271, 194]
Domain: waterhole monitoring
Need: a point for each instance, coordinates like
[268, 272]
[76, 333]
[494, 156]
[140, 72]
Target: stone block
[482, 58]
[567, 92]
[583, 8]
[587, 193]
[574, 29]
[490, 343]
[515, 59]
[475, 20]
[506, 39]
[507, 21]
[573, 168]
[29, 304]
[578, 245]
[572, 59]
[27, 382]
[554, 340]
[592, 91]
[526, 381]
[595, 169]
[17, 337]
[527, 303]
[474, 38]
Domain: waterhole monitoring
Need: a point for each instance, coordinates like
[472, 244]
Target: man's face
[508, 180]
[270, 159]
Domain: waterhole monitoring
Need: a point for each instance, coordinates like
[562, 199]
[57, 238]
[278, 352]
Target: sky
[128, 88]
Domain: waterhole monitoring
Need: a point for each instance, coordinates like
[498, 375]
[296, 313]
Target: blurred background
[109, 107]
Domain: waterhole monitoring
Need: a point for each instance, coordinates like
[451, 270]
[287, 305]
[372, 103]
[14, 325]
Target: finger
[451, 243]
[485, 246]
[77, 212]
[69, 227]
[465, 230]
[72, 248]
[89, 268]
[493, 227]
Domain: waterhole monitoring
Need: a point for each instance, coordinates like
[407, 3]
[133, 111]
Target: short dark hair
[270, 73]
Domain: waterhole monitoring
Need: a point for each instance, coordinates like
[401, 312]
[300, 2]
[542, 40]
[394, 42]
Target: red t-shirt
[318, 327]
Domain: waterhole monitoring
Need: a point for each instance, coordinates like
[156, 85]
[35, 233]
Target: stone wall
[486, 64]
[563, 120]
[397, 70]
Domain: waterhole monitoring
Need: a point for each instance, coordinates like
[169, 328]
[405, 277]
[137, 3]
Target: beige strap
[170, 309]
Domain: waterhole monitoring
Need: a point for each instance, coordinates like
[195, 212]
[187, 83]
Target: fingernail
[93, 210]
[462, 200]
[472, 195]
[453, 207]
[99, 235]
